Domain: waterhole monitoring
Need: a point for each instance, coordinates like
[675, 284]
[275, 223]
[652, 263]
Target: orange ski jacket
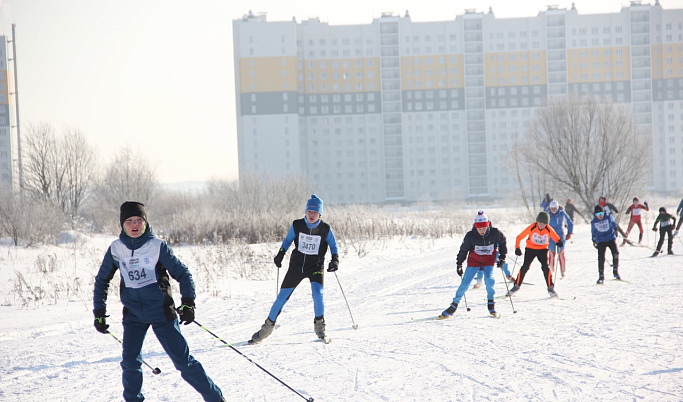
[538, 239]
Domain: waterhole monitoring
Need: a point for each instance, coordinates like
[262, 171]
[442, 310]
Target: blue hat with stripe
[315, 204]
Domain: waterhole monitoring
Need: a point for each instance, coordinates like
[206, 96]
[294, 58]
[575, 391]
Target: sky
[620, 341]
[158, 75]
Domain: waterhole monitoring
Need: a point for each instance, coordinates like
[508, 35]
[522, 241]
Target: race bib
[666, 223]
[636, 211]
[602, 226]
[538, 239]
[138, 271]
[309, 244]
[484, 250]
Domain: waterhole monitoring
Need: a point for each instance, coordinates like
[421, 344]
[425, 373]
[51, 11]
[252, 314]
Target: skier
[635, 210]
[546, 202]
[539, 233]
[569, 208]
[667, 222]
[480, 273]
[145, 263]
[610, 209]
[479, 247]
[678, 212]
[312, 237]
[604, 235]
[558, 220]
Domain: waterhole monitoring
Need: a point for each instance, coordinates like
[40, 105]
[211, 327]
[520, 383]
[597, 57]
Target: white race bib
[666, 223]
[138, 269]
[602, 226]
[309, 244]
[538, 239]
[484, 250]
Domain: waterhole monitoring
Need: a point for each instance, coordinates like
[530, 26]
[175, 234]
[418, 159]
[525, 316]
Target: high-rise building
[403, 110]
[8, 148]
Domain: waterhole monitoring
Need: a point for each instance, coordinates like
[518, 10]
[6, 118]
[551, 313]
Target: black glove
[459, 270]
[559, 244]
[518, 251]
[278, 258]
[334, 264]
[186, 310]
[101, 321]
[501, 262]
[595, 244]
[645, 203]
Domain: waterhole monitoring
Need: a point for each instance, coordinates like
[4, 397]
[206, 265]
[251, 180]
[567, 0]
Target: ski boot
[514, 290]
[601, 280]
[492, 308]
[319, 327]
[265, 331]
[616, 275]
[656, 253]
[477, 285]
[551, 291]
[447, 313]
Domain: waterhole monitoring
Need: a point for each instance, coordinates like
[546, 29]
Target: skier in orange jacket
[538, 236]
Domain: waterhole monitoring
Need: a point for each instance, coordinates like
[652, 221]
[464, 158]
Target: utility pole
[16, 108]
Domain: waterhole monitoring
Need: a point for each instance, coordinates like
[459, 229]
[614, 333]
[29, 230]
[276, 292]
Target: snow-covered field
[619, 341]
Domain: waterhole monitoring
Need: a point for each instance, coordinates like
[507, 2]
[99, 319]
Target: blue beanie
[315, 204]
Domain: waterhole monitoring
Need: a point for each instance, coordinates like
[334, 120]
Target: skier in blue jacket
[312, 237]
[558, 220]
[604, 235]
[145, 263]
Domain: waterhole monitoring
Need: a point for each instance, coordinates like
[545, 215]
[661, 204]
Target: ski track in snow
[613, 342]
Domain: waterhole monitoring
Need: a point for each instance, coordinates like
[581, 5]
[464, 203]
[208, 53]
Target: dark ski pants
[602, 247]
[668, 231]
[292, 279]
[175, 345]
[529, 255]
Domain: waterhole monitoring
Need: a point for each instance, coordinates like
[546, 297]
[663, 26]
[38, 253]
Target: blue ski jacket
[604, 229]
[557, 222]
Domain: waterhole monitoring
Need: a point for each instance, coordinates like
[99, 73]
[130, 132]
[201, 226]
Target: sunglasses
[599, 214]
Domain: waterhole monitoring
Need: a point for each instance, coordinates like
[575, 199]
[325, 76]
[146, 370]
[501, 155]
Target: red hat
[481, 220]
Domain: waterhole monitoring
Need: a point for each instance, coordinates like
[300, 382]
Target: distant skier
[539, 234]
[610, 209]
[479, 247]
[312, 237]
[667, 222]
[678, 212]
[558, 220]
[635, 210]
[604, 235]
[146, 264]
[569, 208]
[546, 202]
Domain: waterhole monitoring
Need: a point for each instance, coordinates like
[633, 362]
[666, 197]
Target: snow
[616, 342]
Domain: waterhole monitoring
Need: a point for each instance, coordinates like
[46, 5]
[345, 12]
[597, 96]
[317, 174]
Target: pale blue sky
[158, 74]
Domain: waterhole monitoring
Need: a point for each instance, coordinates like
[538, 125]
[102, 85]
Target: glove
[654, 229]
[278, 258]
[646, 206]
[569, 236]
[518, 252]
[595, 244]
[501, 262]
[458, 269]
[186, 310]
[559, 244]
[334, 264]
[101, 321]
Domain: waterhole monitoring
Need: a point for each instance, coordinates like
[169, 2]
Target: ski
[494, 315]
[619, 280]
[326, 340]
[432, 318]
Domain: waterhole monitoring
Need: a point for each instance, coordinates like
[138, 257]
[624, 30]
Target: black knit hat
[132, 208]
[598, 208]
[543, 217]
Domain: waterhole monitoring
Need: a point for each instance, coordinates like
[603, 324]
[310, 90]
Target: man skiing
[312, 237]
[667, 222]
[479, 247]
[558, 220]
[146, 263]
[604, 235]
[539, 234]
[635, 210]
[569, 208]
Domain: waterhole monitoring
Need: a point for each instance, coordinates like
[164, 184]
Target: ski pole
[355, 326]
[309, 399]
[277, 283]
[466, 306]
[508, 288]
[154, 370]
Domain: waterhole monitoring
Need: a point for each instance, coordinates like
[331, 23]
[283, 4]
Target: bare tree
[584, 146]
[28, 219]
[42, 171]
[79, 169]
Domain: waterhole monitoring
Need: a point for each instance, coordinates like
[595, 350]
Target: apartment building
[8, 148]
[397, 110]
